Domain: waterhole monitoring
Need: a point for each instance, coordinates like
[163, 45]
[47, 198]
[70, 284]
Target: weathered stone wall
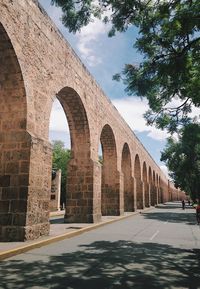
[36, 63]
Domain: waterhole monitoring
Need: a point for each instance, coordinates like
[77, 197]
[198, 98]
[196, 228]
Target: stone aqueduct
[36, 63]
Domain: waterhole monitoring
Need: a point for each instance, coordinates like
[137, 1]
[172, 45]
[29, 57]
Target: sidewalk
[58, 231]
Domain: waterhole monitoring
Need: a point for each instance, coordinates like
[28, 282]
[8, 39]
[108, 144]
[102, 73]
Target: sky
[103, 57]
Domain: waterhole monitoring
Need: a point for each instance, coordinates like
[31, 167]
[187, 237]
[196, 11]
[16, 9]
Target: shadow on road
[189, 219]
[104, 264]
[186, 216]
[174, 206]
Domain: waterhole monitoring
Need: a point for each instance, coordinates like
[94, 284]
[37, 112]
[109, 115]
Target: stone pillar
[122, 195]
[97, 171]
[55, 191]
[111, 193]
[24, 187]
[160, 196]
[128, 193]
[83, 196]
[146, 193]
[150, 194]
[14, 184]
[157, 196]
[134, 194]
[143, 195]
[37, 223]
[140, 194]
[153, 194]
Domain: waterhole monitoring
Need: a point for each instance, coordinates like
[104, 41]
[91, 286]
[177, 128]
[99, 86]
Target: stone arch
[14, 143]
[110, 202]
[127, 179]
[154, 178]
[144, 172]
[146, 187]
[139, 184]
[137, 168]
[78, 123]
[150, 176]
[80, 177]
[13, 108]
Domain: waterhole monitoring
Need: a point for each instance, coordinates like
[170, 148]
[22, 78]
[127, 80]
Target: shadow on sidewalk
[103, 265]
[59, 220]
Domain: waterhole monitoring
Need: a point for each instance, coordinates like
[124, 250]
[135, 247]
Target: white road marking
[165, 223]
[154, 235]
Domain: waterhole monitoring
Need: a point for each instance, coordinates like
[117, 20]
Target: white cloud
[165, 170]
[88, 39]
[58, 121]
[132, 110]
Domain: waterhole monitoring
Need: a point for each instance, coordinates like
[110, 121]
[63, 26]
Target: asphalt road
[156, 249]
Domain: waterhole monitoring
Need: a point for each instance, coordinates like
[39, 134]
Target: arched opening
[146, 187]
[78, 124]
[79, 187]
[127, 179]
[14, 144]
[156, 180]
[139, 184]
[59, 137]
[110, 176]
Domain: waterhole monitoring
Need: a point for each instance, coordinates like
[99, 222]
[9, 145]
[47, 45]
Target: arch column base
[140, 194]
[25, 191]
[129, 198]
[83, 197]
[146, 194]
[112, 197]
[153, 191]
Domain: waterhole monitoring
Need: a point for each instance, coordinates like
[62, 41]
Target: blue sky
[104, 56]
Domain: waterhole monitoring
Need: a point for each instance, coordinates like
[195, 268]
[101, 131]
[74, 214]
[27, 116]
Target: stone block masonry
[37, 64]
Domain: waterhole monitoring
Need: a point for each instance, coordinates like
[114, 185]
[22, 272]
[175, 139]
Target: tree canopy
[61, 157]
[169, 40]
[182, 157]
[169, 74]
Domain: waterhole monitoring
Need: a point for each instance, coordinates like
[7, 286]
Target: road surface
[156, 249]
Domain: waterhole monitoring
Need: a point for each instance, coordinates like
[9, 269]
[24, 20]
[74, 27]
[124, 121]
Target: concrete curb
[41, 243]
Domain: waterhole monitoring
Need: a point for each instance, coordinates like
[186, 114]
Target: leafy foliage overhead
[182, 158]
[169, 39]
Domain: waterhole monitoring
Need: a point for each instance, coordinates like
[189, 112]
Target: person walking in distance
[183, 204]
